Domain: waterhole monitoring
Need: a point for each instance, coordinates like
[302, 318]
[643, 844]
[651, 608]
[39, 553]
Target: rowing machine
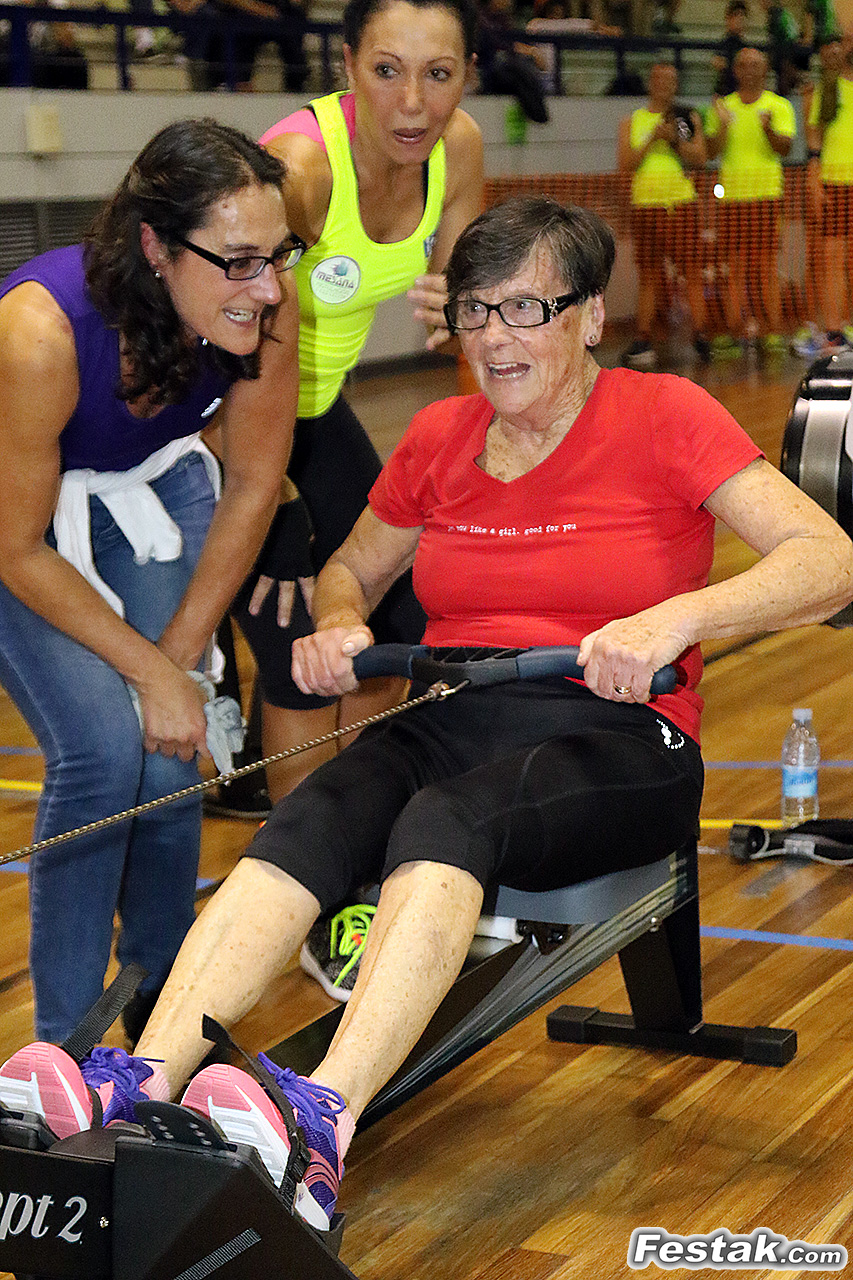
[646, 915]
[170, 1200]
[817, 447]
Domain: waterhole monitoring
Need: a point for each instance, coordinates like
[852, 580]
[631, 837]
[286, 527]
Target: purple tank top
[102, 433]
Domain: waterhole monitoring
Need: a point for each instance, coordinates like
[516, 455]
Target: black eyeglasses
[250, 266]
[518, 313]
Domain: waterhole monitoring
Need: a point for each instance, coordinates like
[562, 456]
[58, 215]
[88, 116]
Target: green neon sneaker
[332, 951]
[773, 344]
[808, 342]
[725, 347]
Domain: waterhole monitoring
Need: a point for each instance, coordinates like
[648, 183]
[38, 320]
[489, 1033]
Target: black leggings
[333, 465]
[535, 786]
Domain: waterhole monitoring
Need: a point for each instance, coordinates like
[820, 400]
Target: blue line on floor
[19, 751]
[789, 939]
[771, 764]
[14, 866]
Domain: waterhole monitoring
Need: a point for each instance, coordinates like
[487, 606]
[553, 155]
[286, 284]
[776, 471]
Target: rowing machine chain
[435, 693]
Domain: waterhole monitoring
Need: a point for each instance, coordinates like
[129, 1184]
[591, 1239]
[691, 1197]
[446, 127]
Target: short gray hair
[497, 244]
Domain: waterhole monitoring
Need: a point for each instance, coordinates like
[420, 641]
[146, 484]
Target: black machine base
[764, 1046]
[124, 1204]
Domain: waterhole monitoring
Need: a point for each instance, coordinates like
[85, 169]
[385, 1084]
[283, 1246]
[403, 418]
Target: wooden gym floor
[536, 1160]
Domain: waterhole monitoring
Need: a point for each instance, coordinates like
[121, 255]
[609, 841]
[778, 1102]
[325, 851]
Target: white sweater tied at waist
[132, 503]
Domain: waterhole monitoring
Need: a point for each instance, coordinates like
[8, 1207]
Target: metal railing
[19, 52]
[225, 26]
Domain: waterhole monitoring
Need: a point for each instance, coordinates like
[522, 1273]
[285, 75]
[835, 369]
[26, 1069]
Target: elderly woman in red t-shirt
[566, 504]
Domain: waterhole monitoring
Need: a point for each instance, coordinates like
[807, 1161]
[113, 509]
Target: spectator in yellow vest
[829, 195]
[657, 143]
[751, 130]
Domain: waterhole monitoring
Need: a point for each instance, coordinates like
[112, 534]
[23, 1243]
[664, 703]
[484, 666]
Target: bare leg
[417, 943]
[835, 271]
[283, 728]
[770, 292]
[240, 942]
[371, 697]
[695, 289]
[646, 303]
[733, 297]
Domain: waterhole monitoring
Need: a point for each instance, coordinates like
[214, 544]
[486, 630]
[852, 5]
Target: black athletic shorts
[533, 785]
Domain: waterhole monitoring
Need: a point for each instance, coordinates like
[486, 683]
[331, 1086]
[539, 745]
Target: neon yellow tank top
[836, 154]
[749, 168]
[345, 275]
[660, 180]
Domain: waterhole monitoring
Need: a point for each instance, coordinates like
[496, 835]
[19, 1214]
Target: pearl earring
[157, 275]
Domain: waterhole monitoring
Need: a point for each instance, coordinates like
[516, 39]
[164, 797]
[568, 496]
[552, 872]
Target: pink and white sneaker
[44, 1079]
[240, 1108]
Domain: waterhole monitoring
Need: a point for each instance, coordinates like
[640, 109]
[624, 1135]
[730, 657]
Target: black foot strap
[299, 1157]
[104, 1012]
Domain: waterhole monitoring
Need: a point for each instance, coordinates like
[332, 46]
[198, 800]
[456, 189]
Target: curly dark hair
[171, 185]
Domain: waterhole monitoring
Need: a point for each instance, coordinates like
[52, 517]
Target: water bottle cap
[803, 714]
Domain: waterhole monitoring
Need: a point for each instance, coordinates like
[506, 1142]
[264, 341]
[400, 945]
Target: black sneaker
[246, 798]
[702, 347]
[640, 355]
[332, 951]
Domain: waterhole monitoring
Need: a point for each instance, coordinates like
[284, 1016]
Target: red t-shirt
[609, 524]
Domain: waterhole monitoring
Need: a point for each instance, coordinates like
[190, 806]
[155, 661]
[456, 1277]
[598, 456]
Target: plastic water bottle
[800, 757]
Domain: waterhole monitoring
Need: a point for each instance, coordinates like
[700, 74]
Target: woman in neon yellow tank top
[380, 181]
[829, 188]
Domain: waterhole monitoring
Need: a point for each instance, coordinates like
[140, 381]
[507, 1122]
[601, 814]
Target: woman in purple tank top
[116, 562]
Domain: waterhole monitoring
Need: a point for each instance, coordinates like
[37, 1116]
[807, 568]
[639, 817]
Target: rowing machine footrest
[763, 1046]
[24, 1130]
[126, 1204]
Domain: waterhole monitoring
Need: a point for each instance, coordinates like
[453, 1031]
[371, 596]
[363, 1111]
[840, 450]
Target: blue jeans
[80, 711]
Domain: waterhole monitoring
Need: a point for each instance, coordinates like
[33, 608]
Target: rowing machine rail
[648, 916]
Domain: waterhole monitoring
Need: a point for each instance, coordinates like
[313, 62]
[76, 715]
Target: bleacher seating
[586, 70]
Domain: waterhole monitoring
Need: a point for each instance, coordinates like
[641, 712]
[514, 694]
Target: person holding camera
[657, 144]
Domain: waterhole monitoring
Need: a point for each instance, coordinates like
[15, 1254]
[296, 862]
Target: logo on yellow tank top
[335, 280]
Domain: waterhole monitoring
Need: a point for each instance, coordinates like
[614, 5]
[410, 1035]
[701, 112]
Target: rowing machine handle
[531, 664]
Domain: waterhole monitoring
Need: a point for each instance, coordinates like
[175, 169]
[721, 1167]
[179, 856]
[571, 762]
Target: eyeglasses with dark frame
[518, 313]
[249, 266]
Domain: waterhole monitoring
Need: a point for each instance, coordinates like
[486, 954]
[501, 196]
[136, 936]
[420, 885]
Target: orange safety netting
[798, 228]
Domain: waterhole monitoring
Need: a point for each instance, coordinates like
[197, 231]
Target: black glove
[286, 553]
